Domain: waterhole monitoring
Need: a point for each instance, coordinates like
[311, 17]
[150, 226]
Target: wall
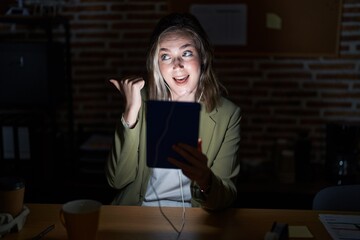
[279, 96]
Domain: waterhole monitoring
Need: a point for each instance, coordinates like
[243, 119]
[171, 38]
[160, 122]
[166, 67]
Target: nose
[178, 63]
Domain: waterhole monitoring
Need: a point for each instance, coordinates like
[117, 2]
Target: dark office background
[300, 128]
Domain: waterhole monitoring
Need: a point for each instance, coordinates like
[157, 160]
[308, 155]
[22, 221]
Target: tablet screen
[169, 123]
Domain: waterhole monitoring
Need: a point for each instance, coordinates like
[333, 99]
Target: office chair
[338, 198]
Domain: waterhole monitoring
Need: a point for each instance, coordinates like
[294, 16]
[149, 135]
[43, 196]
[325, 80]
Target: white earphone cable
[178, 231]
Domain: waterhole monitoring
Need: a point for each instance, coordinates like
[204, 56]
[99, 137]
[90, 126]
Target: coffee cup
[81, 219]
[12, 191]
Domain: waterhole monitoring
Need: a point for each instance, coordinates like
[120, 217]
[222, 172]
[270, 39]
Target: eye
[164, 57]
[187, 53]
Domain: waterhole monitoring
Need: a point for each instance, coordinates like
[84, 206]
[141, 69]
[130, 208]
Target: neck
[186, 97]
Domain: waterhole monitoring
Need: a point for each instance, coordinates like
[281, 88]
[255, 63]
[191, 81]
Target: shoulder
[227, 106]
[225, 111]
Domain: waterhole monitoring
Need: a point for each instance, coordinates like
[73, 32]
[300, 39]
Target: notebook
[169, 123]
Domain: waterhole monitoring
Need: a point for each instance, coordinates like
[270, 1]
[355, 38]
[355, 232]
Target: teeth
[180, 78]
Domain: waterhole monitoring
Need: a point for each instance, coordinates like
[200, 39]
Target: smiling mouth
[181, 79]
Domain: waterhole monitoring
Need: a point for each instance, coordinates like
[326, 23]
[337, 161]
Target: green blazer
[126, 168]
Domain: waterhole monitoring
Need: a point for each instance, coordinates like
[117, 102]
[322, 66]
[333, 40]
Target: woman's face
[180, 65]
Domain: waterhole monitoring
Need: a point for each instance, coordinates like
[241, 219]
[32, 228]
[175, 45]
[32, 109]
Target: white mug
[81, 219]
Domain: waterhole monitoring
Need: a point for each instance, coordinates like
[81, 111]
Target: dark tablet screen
[169, 123]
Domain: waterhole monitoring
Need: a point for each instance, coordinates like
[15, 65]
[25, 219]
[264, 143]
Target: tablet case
[169, 123]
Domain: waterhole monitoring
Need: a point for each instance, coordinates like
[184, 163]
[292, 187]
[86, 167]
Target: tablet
[169, 123]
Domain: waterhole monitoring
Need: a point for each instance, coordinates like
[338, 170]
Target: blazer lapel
[207, 125]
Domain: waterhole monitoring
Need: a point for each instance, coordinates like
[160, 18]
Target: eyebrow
[182, 47]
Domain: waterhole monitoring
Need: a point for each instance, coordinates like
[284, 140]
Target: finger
[191, 154]
[115, 83]
[179, 164]
[135, 81]
[184, 150]
[190, 150]
[185, 168]
[199, 146]
[142, 84]
[139, 82]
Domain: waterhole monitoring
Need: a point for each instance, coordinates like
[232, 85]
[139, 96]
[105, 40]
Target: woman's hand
[196, 169]
[130, 88]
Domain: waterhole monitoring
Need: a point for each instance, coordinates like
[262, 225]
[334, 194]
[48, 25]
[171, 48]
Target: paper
[342, 226]
[225, 24]
[299, 232]
[273, 21]
[24, 143]
[8, 142]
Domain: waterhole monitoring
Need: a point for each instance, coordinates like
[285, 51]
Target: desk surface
[125, 222]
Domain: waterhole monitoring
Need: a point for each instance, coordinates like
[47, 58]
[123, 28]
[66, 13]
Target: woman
[179, 65]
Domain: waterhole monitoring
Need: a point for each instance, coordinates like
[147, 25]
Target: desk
[125, 222]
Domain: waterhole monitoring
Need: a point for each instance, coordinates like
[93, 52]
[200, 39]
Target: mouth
[181, 79]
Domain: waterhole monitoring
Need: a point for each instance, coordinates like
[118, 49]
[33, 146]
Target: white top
[170, 186]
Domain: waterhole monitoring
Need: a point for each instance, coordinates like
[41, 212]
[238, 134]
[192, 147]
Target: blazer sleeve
[122, 164]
